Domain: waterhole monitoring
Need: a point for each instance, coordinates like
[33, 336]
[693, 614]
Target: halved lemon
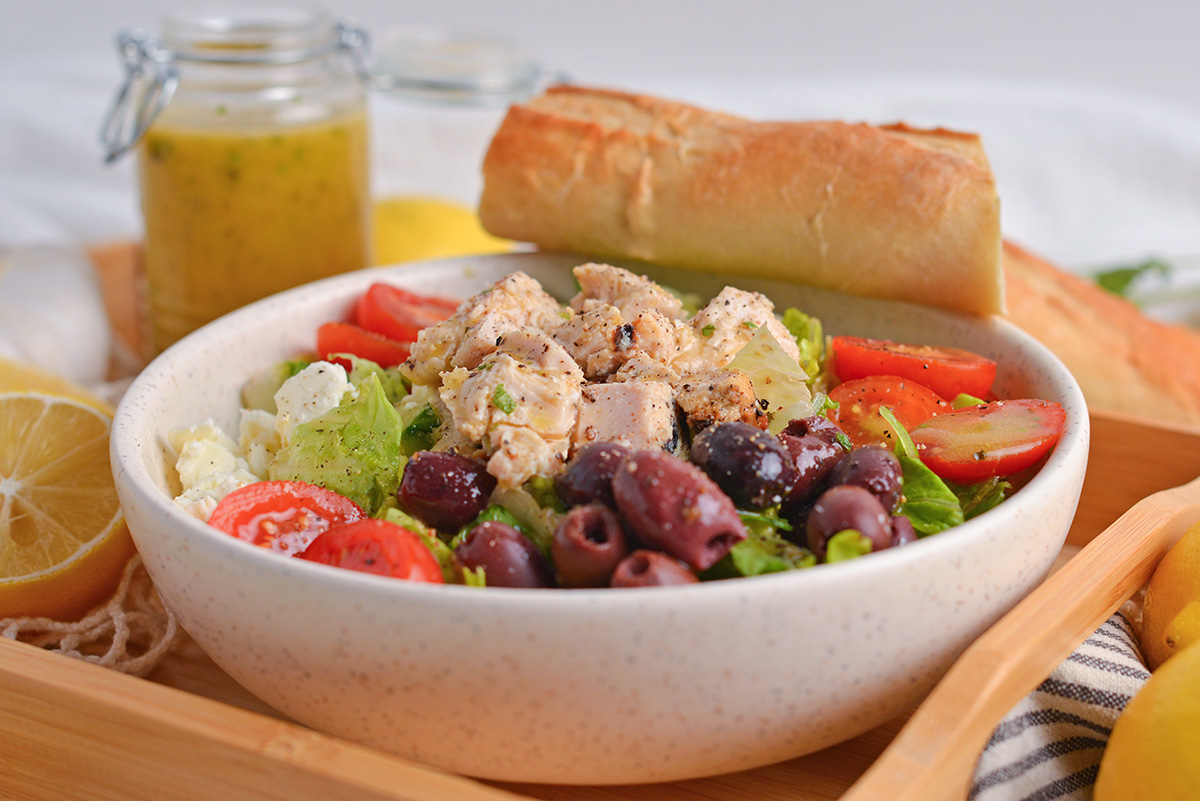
[411, 228]
[63, 540]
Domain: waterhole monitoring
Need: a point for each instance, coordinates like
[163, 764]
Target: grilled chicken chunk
[725, 325]
[632, 294]
[718, 396]
[473, 331]
[637, 414]
[522, 401]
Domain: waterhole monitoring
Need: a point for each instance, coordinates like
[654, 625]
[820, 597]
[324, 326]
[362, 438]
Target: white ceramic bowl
[583, 686]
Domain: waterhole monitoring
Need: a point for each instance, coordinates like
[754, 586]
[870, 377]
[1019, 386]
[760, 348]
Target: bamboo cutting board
[70, 730]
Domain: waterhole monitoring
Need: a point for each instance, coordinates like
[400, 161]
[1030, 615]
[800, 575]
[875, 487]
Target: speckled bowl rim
[130, 423]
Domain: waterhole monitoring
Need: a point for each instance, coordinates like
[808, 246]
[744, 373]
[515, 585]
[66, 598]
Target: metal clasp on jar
[152, 76]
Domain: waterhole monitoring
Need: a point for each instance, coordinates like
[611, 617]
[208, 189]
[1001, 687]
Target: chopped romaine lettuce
[453, 571]
[928, 503]
[420, 433]
[977, 498]
[394, 385]
[809, 337]
[847, 544]
[777, 379]
[353, 450]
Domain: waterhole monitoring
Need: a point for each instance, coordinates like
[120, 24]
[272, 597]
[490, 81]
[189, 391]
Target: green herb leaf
[503, 401]
[1119, 279]
[708, 330]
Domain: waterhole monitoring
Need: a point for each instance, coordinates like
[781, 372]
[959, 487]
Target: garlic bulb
[52, 312]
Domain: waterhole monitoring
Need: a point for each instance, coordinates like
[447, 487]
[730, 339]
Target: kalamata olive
[872, 468]
[588, 543]
[672, 506]
[588, 476]
[847, 506]
[750, 465]
[444, 490]
[902, 531]
[651, 569]
[812, 463]
[508, 557]
[818, 426]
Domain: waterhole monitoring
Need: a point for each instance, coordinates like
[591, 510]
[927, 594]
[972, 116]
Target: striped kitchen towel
[1049, 746]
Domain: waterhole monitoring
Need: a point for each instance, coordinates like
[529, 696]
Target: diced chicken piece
[719, 396]
[725, 325]
[529, 382]
[601, 341]
[637, 414]
[463, 340]
[641, 367]
[592, 337]
[632, 294]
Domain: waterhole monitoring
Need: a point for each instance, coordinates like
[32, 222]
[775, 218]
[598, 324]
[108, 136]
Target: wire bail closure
[151, 79]
[152, 76]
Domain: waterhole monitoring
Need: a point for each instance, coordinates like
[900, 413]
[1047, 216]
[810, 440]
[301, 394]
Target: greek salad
[633, 436]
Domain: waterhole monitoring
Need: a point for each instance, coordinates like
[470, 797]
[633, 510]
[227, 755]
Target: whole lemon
[412, 227]
[1153, 753]
[1171, 611]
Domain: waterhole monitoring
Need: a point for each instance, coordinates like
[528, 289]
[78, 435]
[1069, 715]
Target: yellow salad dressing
[233, 215]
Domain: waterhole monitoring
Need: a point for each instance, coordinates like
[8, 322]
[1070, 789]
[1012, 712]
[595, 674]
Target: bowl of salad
[530, 518]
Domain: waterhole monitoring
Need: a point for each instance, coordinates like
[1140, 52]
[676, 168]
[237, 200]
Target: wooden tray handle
[934, 756]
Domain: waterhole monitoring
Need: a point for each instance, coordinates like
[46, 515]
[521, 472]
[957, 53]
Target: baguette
[891, 212]
[1123, 360]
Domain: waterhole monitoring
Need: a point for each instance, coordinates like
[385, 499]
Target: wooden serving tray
[69, 729]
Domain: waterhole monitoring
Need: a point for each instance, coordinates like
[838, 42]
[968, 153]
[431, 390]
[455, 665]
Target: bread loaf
[889, 212]
[1123, 360]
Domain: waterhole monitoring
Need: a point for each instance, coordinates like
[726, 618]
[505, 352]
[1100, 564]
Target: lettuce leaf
[846, 545]
[809, 337]
[776, 377]
[929, 503]
[353, 450]
[763, 551]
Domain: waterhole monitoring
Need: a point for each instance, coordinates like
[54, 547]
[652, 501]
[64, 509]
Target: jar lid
[456, 68]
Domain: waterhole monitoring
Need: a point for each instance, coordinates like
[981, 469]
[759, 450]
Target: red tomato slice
[349, 338]
[947, 371]
[399, 314]
[859, 401]
[282, 516]
[995, 439]
[376, 546]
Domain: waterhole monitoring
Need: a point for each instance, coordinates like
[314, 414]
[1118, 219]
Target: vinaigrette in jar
[254, 178]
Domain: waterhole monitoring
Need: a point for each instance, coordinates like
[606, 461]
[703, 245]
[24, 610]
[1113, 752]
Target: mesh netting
[131, 633]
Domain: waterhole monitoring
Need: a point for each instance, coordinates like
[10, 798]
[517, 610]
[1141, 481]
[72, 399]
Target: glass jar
[251, 132]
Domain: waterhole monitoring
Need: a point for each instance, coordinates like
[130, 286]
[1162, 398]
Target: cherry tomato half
[947, 371]
[349, 338]
[995, 439]
[282, 516]
[376, 546]
[858, 407]
[399, 314]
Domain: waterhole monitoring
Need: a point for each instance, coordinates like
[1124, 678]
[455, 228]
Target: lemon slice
[413, 227]
[63, 540]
